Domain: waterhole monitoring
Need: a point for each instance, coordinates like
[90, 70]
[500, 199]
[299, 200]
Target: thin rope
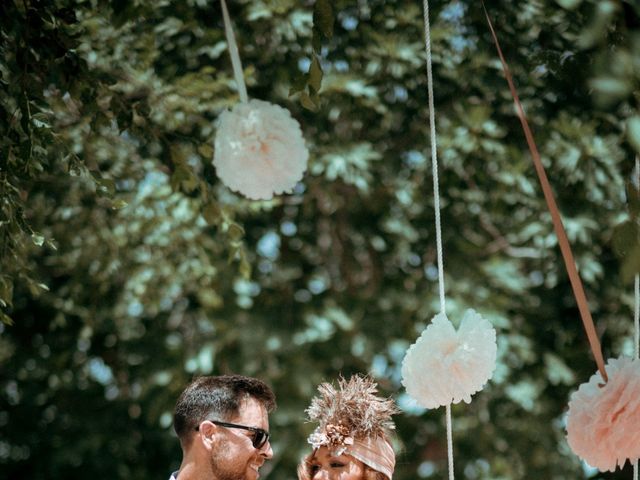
[563, 242]
[434, 156]
[449, 442]
[636, 315]
[636, 318]
[436, 206]
[233, 52]
[636, 312]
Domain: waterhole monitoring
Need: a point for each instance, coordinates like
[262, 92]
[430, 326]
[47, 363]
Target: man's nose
[266, 451]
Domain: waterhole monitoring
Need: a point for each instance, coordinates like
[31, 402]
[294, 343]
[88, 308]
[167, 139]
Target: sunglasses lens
[260, 438]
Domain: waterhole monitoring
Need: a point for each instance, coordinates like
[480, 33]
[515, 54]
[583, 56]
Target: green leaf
[611, 86]
[569, 4]
[39, 123]
[212, 214]
[6, 319]
[323, 17]
[631, 265]
[602, 17]
[557, 370]
[119, 204]
[6, 291]
[37, 239]
[633, 200]
[235, 232]
[625, 237]
[633, 132]
[315, 74]
[205, 150]
[316, 40]
[307, 102]
[298, 85]
[245, 266]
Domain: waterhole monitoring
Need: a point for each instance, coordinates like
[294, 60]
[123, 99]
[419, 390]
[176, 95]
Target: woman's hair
[305, 473]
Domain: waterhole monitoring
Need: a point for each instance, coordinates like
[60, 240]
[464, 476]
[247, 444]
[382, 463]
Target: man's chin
[253, 473]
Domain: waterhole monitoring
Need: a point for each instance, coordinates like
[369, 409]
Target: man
[223, 426]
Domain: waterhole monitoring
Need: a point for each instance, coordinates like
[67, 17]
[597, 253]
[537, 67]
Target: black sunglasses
[260, 436]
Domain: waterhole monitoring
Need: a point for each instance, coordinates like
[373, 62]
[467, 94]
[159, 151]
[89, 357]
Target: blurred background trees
[127, 268]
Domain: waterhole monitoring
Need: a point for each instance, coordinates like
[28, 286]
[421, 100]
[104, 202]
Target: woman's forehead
[323, 453]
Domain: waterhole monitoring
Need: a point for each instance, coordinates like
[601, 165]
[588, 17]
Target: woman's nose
[321, 475]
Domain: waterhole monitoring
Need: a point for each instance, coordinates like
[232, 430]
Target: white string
[449, 442]
[434, 156]
[233, 52]
[436, 204]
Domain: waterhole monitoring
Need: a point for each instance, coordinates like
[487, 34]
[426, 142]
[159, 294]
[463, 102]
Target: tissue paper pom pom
[259, 150]
[603, 425]
[445, 366]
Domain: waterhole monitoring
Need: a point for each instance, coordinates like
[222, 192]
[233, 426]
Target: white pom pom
[603, 424]
[445, 366]
[259, 150]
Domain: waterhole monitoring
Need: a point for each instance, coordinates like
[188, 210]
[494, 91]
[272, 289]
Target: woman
[351, 441]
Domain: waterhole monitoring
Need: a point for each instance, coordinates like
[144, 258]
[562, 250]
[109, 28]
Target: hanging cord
[434, 155]
[567, 255]
[436, 204]
[233, 52]
[636, 317]
[636, 310]
[449, 441]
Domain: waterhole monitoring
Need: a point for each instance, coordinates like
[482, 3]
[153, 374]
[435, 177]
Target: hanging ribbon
[565, 248]
[233, 52]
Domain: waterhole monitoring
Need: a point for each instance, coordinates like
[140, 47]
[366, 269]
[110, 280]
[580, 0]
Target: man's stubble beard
[218, 469]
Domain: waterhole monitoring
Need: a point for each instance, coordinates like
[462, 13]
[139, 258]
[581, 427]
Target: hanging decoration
[603, 424]
[604, 414]
[458, 363]
[445, 366]
[259, 150]
[259, 147]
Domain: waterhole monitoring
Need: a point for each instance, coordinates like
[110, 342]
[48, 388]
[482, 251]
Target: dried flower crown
[351, 412]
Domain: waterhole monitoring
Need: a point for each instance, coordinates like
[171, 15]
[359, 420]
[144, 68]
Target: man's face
[234, 457]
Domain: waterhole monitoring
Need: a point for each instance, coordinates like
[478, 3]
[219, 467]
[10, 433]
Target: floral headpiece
[351, 412]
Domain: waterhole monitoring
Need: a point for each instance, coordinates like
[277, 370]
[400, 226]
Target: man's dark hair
[217, 398]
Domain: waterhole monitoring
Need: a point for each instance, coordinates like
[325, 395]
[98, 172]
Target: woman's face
[324, 466]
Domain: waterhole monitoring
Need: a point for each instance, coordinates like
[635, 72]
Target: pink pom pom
[446, 366]
[259, 150]
[603, 424]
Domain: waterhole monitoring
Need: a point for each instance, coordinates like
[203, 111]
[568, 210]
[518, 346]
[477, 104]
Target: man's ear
[208, 432]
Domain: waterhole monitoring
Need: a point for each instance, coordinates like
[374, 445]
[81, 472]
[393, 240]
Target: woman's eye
[315, 468]
[337, 465]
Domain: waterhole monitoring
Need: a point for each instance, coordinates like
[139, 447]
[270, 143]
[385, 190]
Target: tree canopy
[127, 267]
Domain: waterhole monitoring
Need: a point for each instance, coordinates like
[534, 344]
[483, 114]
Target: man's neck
[189, 470]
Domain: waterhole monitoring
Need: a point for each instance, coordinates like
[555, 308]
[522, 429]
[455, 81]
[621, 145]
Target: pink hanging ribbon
[565, 248]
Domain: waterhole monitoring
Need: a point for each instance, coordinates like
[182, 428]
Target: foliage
[127, 268]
